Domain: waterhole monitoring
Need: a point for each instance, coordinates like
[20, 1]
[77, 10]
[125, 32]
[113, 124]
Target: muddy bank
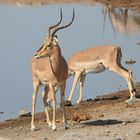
[129, 4]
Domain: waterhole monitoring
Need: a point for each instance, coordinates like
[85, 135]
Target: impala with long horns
[49, 68]
[96, 60]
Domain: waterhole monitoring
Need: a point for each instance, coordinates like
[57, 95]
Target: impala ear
[56, 38]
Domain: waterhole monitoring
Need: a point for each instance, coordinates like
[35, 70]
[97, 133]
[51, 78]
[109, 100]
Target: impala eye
[49, 46]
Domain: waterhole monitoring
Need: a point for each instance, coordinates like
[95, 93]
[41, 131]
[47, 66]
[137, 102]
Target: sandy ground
[111, 119]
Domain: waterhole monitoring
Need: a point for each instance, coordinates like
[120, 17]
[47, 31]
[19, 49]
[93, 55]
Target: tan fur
[50, 69]
[96, 60]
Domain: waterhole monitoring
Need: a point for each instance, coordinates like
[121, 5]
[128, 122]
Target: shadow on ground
[102, 122]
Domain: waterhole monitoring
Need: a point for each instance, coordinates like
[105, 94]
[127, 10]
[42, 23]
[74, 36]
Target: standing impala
[50, 69]
[96, 60]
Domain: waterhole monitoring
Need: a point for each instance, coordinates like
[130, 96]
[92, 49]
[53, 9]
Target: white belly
[94, 68]
[87, 67]
[44, 82]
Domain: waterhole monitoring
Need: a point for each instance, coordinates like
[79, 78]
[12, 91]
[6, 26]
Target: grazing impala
[96, 60]
[50, 69]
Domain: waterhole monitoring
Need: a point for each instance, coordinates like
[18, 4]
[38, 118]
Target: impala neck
[55, 60]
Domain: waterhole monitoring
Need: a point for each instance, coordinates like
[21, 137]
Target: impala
[49, 68]
[96, 60]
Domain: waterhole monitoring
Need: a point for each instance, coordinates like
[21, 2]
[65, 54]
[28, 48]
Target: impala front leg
[52, 90]
[45, 95]
[82, 79]
[76, 77]
[34, 97]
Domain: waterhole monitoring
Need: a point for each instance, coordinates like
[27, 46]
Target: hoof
[68, 103]
[67, 127]
[131, 101]
[54, 127]
[78, 102]
[49, 125]
[33, 128]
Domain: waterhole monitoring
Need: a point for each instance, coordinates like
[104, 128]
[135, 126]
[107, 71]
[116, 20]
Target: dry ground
[112, 119]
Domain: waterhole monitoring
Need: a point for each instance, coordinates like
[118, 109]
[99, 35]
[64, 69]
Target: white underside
[46, 83]
[93, 67]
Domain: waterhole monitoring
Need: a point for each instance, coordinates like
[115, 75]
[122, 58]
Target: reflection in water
[22, 31]
[122, 20]
[130, 61]
[22, 3]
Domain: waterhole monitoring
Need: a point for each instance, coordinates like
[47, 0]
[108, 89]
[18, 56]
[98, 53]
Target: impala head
[51, 42]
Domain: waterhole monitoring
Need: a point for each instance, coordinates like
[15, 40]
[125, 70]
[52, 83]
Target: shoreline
[128, 4]
[105, 99]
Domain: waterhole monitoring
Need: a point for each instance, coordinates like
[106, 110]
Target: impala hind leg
[76, 78]
[82, 79]
[128, 76]
[132, 90]
[49, 97]
[62, 90]
[52, 91]
[45, 97]
[34, 98]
